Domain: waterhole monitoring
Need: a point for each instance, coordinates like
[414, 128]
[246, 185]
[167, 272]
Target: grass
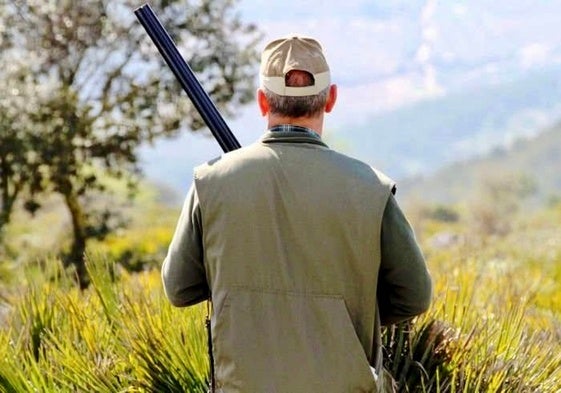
[495, 324]
[499, 295]
[120, 335]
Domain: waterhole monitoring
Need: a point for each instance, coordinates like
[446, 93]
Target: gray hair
[302, 106]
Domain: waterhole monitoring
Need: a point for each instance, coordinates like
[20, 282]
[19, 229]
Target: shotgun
[203, 104]
[187, 79]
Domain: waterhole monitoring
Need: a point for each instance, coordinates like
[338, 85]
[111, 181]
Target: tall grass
[118, 336]
[495, 322]
[494, 326]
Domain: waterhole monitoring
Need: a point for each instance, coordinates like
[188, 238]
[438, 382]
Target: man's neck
[314, 123]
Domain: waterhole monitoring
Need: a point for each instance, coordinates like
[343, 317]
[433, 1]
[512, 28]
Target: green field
[494, 326]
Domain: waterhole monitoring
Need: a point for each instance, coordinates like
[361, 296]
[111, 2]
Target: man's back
[291, 234]
[304, 251]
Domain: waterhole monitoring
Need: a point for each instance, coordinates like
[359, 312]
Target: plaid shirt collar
[292, 134]
[292, 128]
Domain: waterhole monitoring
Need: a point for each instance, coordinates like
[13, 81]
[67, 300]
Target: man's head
[295, 79]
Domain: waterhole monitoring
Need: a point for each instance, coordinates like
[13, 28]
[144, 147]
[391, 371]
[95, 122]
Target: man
[304, 250]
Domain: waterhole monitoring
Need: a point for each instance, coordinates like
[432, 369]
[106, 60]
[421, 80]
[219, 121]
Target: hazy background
[422, 84]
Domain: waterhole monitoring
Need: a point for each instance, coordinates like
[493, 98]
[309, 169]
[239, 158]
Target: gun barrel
[187, 79]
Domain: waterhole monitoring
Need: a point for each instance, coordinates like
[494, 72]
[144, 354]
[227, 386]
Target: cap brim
[276, 84]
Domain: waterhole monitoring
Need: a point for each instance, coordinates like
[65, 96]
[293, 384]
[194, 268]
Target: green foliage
[17, 163]
[419, 356]
[86, 89]
[494, 325]
[119, 335]
[143, 245]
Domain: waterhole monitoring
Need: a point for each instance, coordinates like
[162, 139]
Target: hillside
[538, 159]
[460, 125]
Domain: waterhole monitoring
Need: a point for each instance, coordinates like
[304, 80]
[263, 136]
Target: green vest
[291, 237]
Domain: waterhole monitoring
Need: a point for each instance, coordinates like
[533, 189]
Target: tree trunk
[78, 249]
[8, 199]
[5, 213]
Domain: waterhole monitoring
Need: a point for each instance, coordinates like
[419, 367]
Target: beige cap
[293, 53]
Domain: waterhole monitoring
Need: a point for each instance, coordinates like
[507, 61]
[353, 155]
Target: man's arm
[183, 272]
[404, 284]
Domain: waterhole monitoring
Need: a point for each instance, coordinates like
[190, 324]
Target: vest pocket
[269, 341]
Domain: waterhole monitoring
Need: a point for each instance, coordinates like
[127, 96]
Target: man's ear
[262, 102]
[331, 98]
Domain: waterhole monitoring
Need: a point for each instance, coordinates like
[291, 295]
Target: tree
[106, 91]
[17, 159]
[14, 163]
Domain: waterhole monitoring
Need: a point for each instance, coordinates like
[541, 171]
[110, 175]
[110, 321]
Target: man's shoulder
[361, 168]
[385, 180]
[227, 160]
